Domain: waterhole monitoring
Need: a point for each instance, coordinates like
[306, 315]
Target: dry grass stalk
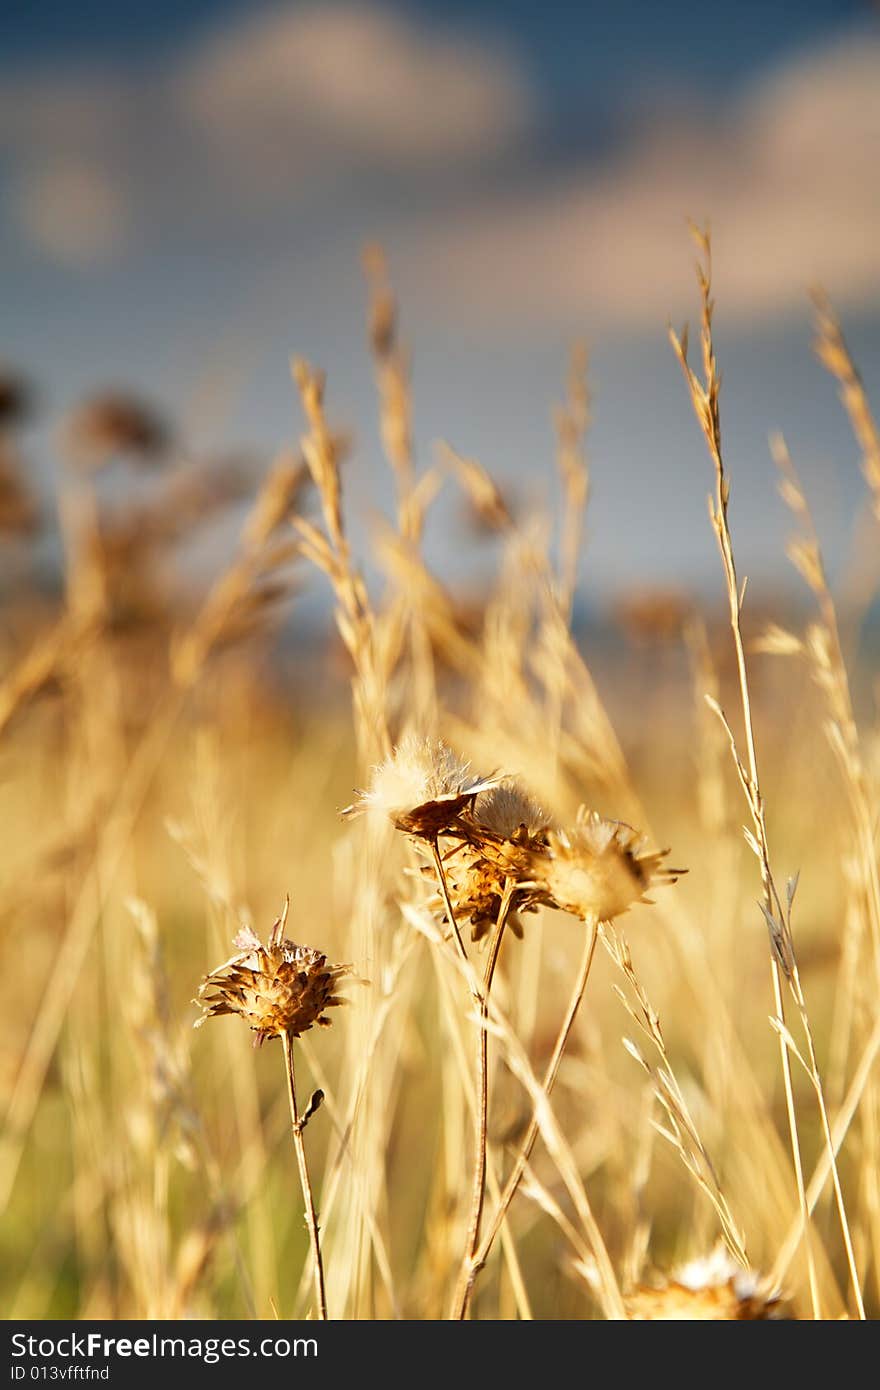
[455, 1135]
[429, 616]
[606, 1287]
[414, 494]
[861, 1080]
[682, 1132]
[38, 670]
[478, 1183]
[392, 380]
[705, 396]
[280, 990]
[254, 583]
[823, 649]
[167, 1269]
[831, 348]
[490, 510]
[426, 791]
[481, 1253]
[596, 873]
[712, 751]
[572, 420]
[330, 552]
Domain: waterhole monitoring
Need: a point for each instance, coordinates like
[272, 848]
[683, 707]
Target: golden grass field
[169, 774]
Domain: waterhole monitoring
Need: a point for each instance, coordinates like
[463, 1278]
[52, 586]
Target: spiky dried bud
[599, 868]
[277, 988]
[711, 1289]
[423, 787]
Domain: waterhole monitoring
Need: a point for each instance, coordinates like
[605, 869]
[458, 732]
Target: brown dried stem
[481, 1253]
[478, 1187]
[297, 1123]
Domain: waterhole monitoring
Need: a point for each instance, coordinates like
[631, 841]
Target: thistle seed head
[422, 787]
[713, 1288]
[277, 988]
[506, 810]
[498, 833]
[599, 868]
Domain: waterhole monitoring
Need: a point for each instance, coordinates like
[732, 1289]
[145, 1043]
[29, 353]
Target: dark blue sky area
[565, 45]
[186, 246]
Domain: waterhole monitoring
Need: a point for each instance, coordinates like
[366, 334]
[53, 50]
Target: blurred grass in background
[174, 762]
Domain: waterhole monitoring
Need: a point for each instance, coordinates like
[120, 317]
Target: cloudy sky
[185, 187]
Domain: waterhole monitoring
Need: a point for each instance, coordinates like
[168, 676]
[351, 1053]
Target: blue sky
[567, 44]
[184, 189]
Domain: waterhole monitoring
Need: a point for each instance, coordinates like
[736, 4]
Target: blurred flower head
[114, 425]
[16, 399]
[713, 1288]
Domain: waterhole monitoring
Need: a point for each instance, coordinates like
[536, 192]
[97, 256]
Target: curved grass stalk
[481, 1252]
[705, 399]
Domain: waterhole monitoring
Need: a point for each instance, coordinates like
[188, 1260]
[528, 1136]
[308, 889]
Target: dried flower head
[506, 810]
[423, 787]
[497, 837]
[713, 1288]
[277, 988]
[599, 868]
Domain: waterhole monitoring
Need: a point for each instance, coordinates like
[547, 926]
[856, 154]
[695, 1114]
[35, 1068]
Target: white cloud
[259, 115]
[356, 82]
[286, 108]
[73, 213]
[788, 180]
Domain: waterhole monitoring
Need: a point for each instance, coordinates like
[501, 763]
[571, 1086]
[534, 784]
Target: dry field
[560, 1077]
